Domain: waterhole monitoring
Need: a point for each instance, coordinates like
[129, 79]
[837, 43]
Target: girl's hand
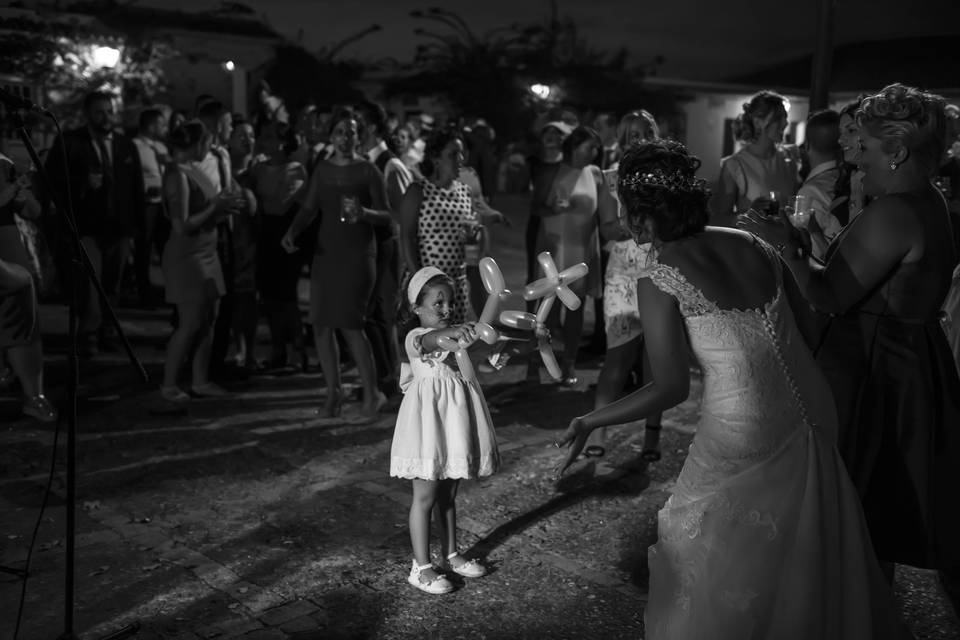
[465, 333]
[540, 331]
[288, 243]
[576, 437]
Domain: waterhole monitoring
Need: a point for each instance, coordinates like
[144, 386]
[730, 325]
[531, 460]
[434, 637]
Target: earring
[893, 166]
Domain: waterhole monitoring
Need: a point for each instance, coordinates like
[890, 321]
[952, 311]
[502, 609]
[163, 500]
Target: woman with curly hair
[763, 536]
[763, 167]
[896, 386]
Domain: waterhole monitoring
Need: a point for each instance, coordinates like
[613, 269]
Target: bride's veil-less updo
[660, 191]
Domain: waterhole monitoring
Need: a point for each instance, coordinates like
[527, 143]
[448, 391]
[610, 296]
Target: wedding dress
[763, 535]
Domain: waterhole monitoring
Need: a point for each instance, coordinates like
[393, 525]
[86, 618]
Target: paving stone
[103, 536]
[209, 632]
[399, 496]
[152, 540]
[184, 557]
[231, 629]
[473, 526]
[113, 520]
[571, 566]
[285, 613]
[322, 618]
[300, 625]
[216, 575]
[374, 488]
[265, 634]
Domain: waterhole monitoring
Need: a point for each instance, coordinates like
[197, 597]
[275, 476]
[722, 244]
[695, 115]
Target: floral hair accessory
[672, 181]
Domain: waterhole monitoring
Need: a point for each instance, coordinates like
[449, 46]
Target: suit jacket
[115, 209]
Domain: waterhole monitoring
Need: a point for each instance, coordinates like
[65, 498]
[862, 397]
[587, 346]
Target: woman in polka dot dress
[437, 217]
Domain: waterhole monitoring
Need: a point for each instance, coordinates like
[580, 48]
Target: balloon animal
[496, 288]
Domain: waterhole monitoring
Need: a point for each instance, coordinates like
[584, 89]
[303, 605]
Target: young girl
[443, 433]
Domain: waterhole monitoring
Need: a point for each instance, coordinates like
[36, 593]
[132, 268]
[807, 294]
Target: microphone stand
[82, 266]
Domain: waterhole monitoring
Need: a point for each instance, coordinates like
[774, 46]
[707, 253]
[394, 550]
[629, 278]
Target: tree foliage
[302, 77]
[59, 57]
[489, 75]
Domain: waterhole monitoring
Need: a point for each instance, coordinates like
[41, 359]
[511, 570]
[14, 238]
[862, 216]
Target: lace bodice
[761, 384]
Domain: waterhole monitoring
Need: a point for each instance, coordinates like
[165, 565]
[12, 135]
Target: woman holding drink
[350, 196]
[765, 173]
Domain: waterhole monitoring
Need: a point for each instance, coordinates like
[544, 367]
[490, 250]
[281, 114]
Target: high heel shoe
[40, 408]
[372, 410]
[333, 405]
[652, 454]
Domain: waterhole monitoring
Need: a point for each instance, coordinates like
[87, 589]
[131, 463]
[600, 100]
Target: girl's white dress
[444, 430]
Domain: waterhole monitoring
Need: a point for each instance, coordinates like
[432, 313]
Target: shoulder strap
[671, 281]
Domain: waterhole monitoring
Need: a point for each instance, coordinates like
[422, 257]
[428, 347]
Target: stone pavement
[250, 517]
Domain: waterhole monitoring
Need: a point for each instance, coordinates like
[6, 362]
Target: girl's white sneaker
[435, 586]
[466, 568]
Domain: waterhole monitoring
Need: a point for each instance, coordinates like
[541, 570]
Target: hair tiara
[670, 181]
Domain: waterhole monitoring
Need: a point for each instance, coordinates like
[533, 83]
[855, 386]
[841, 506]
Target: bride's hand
[576, 437]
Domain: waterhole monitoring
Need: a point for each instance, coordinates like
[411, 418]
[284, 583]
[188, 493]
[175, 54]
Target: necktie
[105, 162]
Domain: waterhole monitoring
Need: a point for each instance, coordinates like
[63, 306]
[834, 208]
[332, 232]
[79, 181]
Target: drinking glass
[799, 210]
[349, 209]
[774, 207]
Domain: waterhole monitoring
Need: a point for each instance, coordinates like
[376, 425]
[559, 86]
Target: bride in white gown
[763, 535]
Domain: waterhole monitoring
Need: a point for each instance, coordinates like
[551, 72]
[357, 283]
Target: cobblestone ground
[248, 517]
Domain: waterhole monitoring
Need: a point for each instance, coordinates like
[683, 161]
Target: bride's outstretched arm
[665, 338]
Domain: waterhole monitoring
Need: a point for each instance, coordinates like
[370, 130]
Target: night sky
[700, 39]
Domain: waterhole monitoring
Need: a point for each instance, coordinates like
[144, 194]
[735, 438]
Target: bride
[763, 535]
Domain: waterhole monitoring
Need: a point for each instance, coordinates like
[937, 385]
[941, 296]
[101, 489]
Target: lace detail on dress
[726, 510]
[669, 280]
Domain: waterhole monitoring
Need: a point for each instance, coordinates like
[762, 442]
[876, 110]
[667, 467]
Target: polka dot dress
[440, 237]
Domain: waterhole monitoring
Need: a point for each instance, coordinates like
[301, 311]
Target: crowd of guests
[863, 219]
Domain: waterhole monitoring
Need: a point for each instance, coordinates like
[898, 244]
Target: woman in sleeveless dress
[192, 274]
[620, 313]
[570, 233]
[763, 535]
[883, 351]
[763, 166]
[349, 195]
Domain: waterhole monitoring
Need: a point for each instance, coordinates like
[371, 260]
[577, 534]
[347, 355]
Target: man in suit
[106, 188]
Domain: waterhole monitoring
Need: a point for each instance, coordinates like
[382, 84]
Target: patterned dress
[627, 259]
[444, 214]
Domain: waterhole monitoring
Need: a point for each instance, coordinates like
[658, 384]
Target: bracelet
[796, 253]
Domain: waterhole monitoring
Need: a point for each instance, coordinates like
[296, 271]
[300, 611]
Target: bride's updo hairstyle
[759, 106]
[908, 117]
[659, 188]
